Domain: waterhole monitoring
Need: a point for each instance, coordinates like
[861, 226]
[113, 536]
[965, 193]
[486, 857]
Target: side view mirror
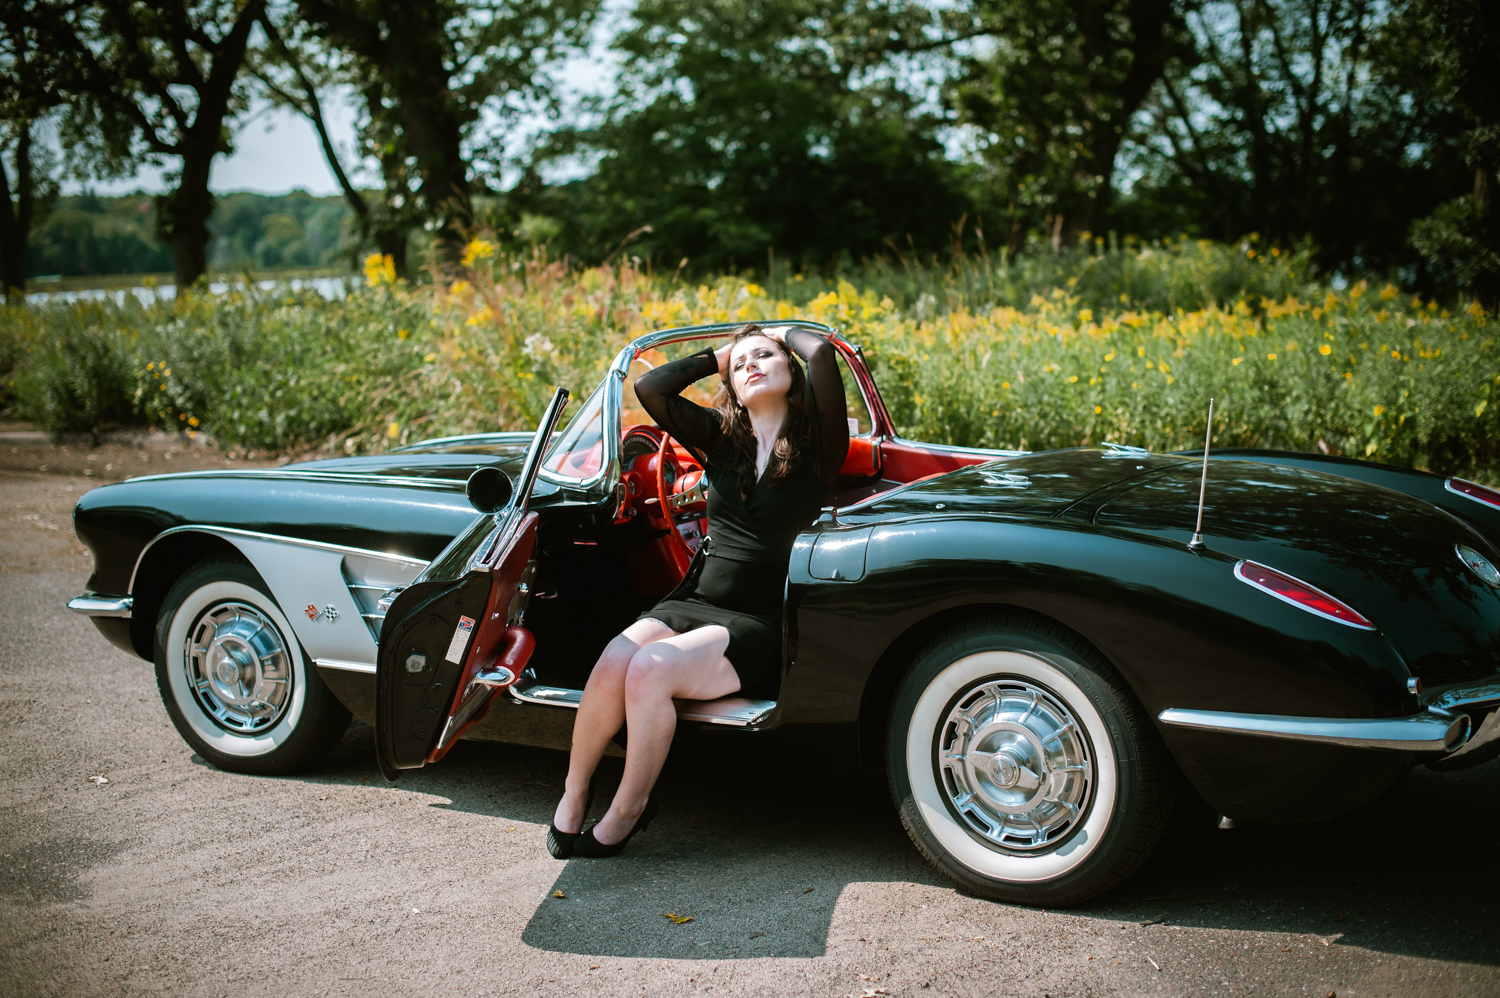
[489, 490]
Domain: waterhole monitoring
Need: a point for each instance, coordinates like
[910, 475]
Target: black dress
[741, 580]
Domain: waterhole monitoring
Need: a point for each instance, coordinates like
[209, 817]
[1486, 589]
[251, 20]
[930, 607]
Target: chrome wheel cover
[1014, 764]
[238, 668]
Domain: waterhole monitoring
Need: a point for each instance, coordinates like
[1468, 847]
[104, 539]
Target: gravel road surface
[128, 866]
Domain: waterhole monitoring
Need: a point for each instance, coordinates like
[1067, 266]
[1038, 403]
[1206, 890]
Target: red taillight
[1298, 593]
[1473, 490]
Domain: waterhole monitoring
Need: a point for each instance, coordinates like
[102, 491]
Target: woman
[774, 442]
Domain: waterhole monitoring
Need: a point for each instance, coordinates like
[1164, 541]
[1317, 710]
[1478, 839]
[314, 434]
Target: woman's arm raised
[828, 394]
[659, 392]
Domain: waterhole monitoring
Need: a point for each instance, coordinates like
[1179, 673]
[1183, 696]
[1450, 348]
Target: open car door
[453, 639]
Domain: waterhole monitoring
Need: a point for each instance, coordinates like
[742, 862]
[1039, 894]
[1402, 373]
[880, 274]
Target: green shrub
[1052, 350]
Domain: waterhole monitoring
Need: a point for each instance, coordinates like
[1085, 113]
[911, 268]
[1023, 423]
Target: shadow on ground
[761, 841]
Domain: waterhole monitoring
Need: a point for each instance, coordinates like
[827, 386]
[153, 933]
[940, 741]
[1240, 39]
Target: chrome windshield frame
[603, 481]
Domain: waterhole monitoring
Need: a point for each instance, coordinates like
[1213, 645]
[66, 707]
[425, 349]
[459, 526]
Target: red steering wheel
[686, 494]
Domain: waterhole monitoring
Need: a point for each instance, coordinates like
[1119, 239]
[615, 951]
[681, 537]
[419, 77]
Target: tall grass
[1122, 343]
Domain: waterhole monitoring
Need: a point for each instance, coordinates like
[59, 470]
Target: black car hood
[1031, 485]
[1391, 557]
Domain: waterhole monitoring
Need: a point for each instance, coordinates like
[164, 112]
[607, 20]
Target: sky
[277, 150]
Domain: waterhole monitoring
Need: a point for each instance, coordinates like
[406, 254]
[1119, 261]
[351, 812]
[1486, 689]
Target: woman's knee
[614, 661]
[649, 673]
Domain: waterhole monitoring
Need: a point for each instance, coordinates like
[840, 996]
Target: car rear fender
[1177, 624]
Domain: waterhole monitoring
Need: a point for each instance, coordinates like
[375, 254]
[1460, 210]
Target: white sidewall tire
[1127, 804]
[930, 798]
[208, 732]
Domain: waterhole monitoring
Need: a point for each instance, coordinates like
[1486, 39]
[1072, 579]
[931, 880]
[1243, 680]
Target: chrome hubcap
[1015, 765]
[239, 668]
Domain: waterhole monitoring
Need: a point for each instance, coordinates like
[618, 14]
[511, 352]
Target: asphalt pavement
[129, 866]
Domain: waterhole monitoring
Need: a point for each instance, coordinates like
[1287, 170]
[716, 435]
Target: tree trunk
[434, 134]
[12, 245]
[392, 243]
[25, 199]
[183, 216]
[432, 123]
[1149, 40]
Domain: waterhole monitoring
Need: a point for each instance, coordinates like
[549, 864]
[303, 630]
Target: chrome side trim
[343, 666]
[1426, 732]
[256, 535]
[968, 451]
[338, 477]
[98, 605]
[499, 437]
[737, 712]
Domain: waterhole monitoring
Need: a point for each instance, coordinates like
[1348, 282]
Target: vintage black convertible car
[1028, 643]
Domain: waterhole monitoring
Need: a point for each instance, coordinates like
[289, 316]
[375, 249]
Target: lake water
[328, 287]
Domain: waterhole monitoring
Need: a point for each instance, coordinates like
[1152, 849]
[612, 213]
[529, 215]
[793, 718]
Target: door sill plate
[737, 712]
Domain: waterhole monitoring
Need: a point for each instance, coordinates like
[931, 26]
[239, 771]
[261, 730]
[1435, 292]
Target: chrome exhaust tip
[1457, 733]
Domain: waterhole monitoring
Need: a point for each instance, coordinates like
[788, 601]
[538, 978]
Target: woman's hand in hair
[722, 356]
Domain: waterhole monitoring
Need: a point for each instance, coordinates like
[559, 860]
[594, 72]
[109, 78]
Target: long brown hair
[734, 419]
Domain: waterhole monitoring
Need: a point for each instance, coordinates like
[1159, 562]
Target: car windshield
[578, 452]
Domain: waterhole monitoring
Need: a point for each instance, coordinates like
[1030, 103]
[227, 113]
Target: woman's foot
[591, 844]
[572, 811]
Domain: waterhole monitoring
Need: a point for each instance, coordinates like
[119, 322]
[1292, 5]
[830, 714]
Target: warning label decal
[460, 639]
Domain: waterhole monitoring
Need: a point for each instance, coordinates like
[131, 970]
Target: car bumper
[1455, 720]
[101, 605]
[1429, 731]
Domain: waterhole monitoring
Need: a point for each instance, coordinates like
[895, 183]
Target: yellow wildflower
[1270, 356]
[1098, 409]
[1379, 409]
[193, 422]
[1236, 362]
[1388, 292]
[393, 431]
[403, 333]
[1086, 315]
[380, 268]
[477, 249]
[1325, 349]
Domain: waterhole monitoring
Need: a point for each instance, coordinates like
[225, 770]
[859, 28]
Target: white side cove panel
[327, 591]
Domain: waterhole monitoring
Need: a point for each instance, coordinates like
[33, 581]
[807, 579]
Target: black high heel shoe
[591, 848]
[561, 844]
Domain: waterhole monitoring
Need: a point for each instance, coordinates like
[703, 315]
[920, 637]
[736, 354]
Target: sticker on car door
[460, 640]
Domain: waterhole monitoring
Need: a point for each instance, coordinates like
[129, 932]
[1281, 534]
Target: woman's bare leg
[689, 665]
[600, 714]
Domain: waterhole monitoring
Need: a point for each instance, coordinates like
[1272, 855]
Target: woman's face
[758, 370]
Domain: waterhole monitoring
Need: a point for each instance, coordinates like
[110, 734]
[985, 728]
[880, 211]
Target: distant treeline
[87, 234]
[810, 134]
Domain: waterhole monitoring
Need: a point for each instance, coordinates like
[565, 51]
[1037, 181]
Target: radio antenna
[1208, 435]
